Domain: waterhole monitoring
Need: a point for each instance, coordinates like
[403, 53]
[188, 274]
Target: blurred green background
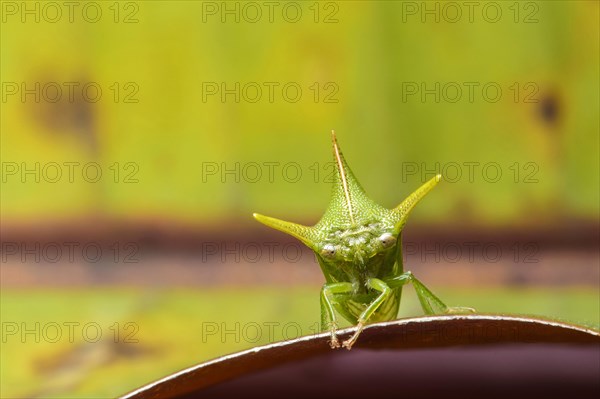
[383, 74]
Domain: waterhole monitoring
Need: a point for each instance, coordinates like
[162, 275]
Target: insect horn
[348, 196]
[303, 233]
[344, 178]
[402, 211]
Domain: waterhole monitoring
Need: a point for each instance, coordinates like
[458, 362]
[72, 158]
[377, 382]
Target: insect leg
[386, 291]
[430, 303]
[328, 318]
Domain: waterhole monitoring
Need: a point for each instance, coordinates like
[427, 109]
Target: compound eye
[387, 240]
[328, 250]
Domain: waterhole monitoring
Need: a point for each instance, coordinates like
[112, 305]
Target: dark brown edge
[412, 333]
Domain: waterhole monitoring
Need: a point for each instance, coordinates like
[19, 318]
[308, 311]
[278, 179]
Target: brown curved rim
[413, 333]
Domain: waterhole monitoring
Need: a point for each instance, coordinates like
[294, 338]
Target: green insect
[358, 245]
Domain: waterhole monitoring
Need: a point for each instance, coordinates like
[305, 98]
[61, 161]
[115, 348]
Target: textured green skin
[357, 241]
